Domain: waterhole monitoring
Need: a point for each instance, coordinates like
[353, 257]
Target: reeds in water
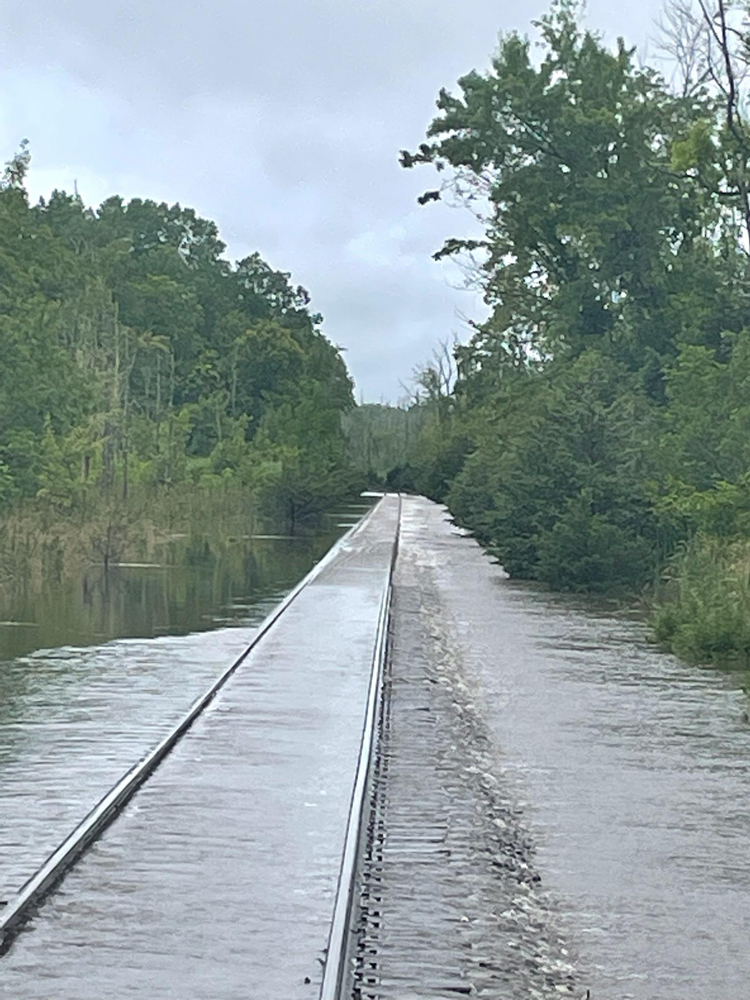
[703, 613]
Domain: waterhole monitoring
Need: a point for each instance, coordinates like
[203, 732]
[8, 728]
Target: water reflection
[77, 710]
[193, 584]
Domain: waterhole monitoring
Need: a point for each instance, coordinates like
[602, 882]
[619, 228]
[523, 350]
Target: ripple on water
[73, 720]
[638, 770]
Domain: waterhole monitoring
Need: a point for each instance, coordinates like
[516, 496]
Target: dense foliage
[600, 418]
[135, 355]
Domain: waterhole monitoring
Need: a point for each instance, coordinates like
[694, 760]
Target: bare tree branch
[682, 41]
[709, 50]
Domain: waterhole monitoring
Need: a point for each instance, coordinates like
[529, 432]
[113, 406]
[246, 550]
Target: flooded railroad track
[437, 892]
[437, 895]
[238, 832]
[539, 804]
[445, 899]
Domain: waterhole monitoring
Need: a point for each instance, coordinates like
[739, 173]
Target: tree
[133, 351]
[16, 168]
[708, 40]
[587, 222]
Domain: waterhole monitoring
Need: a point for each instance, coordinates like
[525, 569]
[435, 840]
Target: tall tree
[588, 224]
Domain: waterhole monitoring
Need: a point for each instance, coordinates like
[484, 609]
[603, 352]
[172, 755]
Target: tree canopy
[135, 352]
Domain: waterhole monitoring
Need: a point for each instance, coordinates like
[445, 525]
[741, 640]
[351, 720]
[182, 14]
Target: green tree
[133, 351]
[591, 232]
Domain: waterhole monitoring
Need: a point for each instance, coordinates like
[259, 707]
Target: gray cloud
[283, 122]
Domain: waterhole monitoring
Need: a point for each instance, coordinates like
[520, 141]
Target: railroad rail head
[338, 972]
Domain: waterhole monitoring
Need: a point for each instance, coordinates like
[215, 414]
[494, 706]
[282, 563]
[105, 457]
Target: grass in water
[703, 614]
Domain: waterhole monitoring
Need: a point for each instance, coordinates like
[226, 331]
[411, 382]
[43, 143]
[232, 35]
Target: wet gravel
[453, 903]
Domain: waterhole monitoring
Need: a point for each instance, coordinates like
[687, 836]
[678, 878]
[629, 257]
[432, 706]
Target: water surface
[93, 671]
[217, 880]
[192, 584]
[633, 769]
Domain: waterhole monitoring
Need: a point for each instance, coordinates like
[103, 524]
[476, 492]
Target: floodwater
[638, 768]
[194, 584]
[94, 671]
[217, 880]
[632, 769]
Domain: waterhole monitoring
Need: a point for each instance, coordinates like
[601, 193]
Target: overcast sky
[282, 121]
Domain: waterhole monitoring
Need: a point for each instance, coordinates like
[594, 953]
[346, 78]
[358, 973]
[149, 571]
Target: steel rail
[18, 910]
[338, 970]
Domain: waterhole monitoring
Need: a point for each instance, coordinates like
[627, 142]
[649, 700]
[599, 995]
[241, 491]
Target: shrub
[584, 551]
[704, 612]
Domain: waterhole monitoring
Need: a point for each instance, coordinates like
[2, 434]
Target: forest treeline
[597, 433]
[136, 361]
[594, 431]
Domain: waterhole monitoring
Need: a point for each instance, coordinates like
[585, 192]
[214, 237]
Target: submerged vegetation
[143, 374]
[706, 615]
[595, 434]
